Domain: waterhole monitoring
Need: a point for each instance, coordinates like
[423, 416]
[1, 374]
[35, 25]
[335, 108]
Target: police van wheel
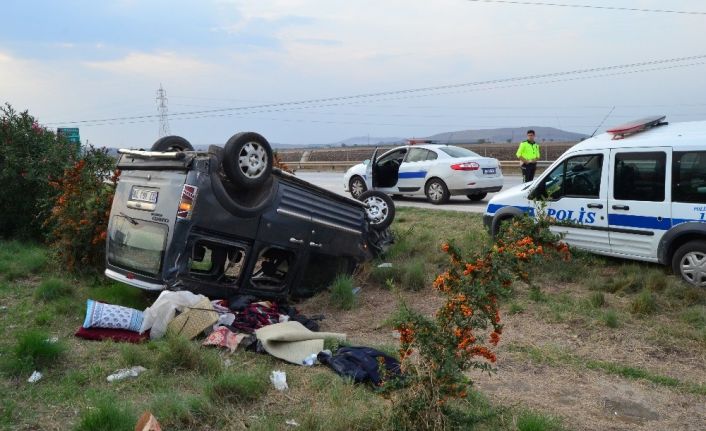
[247, 159]
[689, 262]
[172, 143]
[477, 197]
[380, 210]
[436, 191]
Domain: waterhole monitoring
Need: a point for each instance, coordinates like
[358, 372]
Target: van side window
[272, 267]
[689, 177]
[578, 176]
[640, 176]
[216, 262]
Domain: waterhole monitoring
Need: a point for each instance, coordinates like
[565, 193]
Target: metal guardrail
[509, 165]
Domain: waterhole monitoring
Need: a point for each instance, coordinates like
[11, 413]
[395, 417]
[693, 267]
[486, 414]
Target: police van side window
[689, 177]
[578, 176]
[640, 176]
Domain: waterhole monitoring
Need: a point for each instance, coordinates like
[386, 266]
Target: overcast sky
[73, 61]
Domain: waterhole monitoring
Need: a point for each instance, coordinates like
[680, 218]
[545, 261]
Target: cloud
[158, 66]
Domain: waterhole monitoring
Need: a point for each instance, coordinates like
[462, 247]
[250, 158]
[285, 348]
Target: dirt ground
[584, 399]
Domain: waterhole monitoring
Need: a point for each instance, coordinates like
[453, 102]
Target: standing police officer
[528, 153]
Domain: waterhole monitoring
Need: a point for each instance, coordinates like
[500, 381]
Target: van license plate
[144, 195]
[488, 171]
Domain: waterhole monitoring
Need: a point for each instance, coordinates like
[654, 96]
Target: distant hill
[506, 134]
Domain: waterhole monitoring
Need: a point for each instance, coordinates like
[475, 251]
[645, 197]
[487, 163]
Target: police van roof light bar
[637, 126]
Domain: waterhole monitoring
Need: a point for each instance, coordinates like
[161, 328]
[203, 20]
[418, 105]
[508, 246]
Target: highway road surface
[333, 181]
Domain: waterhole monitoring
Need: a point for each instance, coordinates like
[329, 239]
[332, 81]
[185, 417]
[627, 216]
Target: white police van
[636, 192]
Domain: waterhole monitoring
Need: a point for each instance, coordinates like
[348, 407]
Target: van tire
[247, 159]
[238, 201]
[436, 191]
[172, 143]
[380, 210]
[691, 257]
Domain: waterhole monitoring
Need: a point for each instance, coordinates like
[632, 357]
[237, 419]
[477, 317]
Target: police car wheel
[380, 210]
[436, 191]
[689, 261]
[171, 143]
[357, 186]
[477, 197]
[247, 159]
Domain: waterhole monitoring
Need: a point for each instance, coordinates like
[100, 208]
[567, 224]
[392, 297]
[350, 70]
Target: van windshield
[136, 245]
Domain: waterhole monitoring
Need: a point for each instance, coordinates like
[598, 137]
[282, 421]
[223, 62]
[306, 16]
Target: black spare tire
[172, 143]
[380, 211]
[247, 159]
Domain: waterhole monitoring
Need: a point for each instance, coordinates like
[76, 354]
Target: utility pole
[163, 112]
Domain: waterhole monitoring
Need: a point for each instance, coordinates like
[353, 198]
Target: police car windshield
[457, 152]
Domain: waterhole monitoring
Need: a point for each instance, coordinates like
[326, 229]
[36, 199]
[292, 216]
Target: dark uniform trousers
[528, 170]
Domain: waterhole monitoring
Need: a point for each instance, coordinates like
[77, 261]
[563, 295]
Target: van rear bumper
[133, 282]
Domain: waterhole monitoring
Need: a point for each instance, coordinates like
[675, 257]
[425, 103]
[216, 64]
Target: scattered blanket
[292, 341]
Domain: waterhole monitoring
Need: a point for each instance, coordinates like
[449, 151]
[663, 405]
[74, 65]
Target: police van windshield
[458, 152]
[136, 245]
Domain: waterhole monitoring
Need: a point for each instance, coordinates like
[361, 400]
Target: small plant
[34, 350]
[536, 295]
[413, 277]
[237, 387]
[644, 303]
[597, 299]
[532, 421]
[610, 318]
[178, 353]
[51, 289]
[516, 308]
[177, 411]
[342, 295]
[107, 415]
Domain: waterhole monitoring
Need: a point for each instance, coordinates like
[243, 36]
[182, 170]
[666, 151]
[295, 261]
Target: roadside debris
[292, 423]
[147, 422]
[53, 339]
[279, 380]
[126, 373]
[292, 341]
[35, 377]
[385, 265]
[362, 364]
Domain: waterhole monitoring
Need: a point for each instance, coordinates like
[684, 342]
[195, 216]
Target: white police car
[636, 192]
[431, 170]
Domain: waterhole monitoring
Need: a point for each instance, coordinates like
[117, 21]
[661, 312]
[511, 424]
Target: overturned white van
[635, 192]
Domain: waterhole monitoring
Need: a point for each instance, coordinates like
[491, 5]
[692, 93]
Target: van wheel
[689, 261]
[171, 143]
[436, 191]
[247, 159]
[477, 197]
[380, 209]
[357, 186]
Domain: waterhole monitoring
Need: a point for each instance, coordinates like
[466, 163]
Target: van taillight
[187, 202]
[466, 166]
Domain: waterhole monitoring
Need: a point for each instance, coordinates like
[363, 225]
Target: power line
[588, 6]
[417, 92]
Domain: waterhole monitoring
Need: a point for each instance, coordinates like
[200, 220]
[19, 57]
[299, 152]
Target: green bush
[610, 318]
[597, 299]
[179, 354]
[107, 415]
[342, 295]
[51, 289]
[18, 260]
[31, 157]
[177, 411]
[644, 303]
[532, 421]
[413, 276]
[238, 387]
[33, 351]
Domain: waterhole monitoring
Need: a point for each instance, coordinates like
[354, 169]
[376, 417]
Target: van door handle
[315, 244]
[621, 207]
[599, 206]
[296, 241]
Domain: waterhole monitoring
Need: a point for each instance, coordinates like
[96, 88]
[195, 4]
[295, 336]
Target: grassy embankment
[192, 387]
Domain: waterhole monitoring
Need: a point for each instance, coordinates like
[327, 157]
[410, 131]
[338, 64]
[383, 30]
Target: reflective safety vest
[528, 151]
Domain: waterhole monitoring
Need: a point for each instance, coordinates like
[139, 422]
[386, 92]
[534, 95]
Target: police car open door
[576, 193]
[639, 212]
